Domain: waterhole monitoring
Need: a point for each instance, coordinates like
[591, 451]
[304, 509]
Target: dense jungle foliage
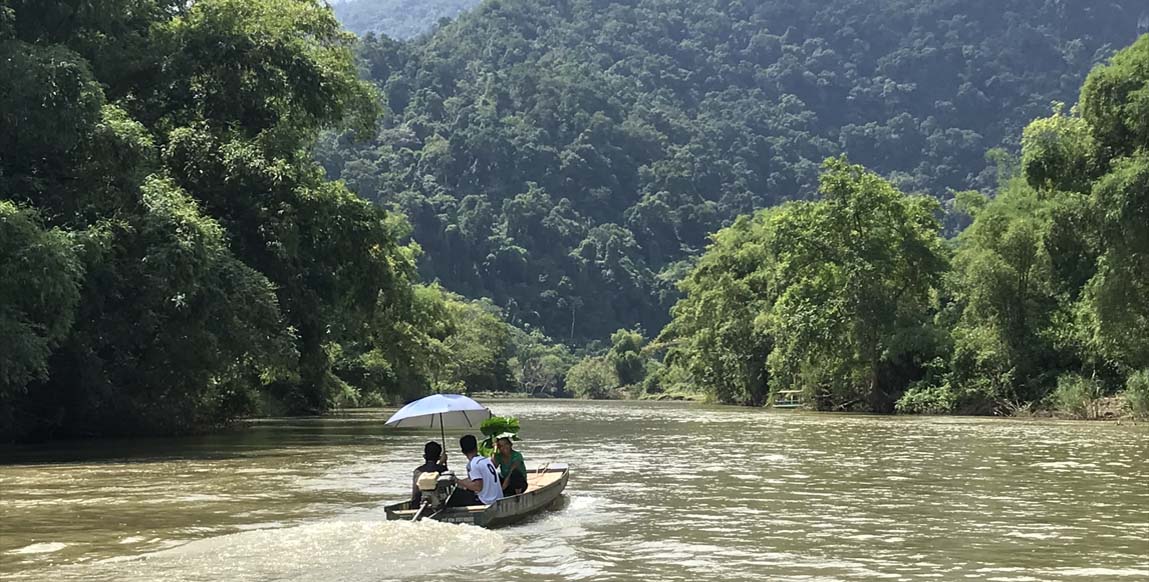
[854, 298]
[567, 159]
[398, 19]
[171, 256]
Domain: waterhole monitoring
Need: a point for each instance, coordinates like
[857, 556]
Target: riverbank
[1106, 409]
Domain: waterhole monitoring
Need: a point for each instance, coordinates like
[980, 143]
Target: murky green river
[658, 492]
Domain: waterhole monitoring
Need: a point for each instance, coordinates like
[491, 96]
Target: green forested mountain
[854, 299]
[171, 256]
[399, 19]
[564, 157]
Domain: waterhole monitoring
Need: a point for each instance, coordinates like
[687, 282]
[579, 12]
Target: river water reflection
[659, 491]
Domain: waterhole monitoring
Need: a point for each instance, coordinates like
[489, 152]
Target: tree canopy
[553, 154]
[854, 299]
[829, 296]
[398, 19]
[172, 256]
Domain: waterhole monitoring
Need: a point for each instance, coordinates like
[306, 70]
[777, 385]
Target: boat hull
[545, 487]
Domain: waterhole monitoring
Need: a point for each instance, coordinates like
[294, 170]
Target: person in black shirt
[435, 461]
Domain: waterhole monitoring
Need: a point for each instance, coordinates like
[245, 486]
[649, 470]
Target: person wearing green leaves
[512, 469]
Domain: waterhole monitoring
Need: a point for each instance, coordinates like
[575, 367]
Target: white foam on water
[1095, 573]
[43, 548]
[1032, 535]
[347, 549]
[1063, 465]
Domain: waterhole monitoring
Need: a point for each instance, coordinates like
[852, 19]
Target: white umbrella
[441, 410]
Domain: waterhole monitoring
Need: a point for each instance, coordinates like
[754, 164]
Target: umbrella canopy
[441, 411]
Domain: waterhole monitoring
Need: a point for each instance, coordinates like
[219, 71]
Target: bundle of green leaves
[495, 426]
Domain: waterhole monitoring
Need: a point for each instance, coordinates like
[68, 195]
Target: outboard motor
[436, 489]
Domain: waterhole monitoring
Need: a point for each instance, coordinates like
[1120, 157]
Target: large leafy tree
[626, 355]
[1051, 278]
[39, 290]
[248, 86]
[855, 272]
[718, 334]
[539, 364]
[186, 256]
[832, 297]
[1115, 104]
[1004, 285]
[592, 377]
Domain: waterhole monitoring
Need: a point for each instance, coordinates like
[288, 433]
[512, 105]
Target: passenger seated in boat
[435, 462]
[481, 486]
[512, 469]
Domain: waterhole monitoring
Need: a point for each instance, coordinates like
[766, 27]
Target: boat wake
[354, 550]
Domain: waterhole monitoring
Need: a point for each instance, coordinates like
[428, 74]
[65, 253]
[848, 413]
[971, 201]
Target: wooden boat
[543, 488]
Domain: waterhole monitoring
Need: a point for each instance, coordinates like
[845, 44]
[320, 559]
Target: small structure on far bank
[787, 399]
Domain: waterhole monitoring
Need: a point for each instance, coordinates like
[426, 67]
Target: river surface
[658, 491]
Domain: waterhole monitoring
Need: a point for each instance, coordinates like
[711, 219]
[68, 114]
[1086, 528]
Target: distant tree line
[398, 19]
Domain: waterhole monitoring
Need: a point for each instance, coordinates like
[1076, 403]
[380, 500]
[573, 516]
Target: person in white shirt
[482, 479]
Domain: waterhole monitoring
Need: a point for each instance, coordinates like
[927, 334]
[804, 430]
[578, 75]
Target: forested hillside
[564, 157]
[399, 19]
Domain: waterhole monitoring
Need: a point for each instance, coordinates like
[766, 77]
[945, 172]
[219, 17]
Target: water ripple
[658, 491]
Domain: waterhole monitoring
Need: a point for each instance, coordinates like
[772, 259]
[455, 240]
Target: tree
[1115, 103]
[155, 164]
[1050, 279]
[855, 273]
[173, 332]
[592, 378]
[39, 292]
[626, 356]
[480, 348]
[717, 335]
[831, 296]
[1116, 305]
[1004, 286]
[539, 365]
